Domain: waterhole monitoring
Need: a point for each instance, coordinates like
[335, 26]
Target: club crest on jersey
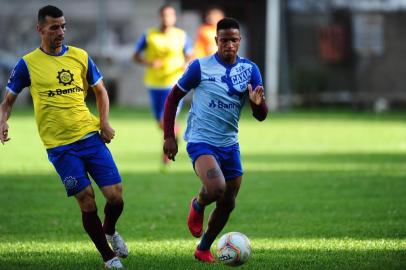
[65, 77]
[237, 79]
[70, 182]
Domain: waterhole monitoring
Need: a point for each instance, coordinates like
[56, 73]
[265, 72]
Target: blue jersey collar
[221, 62]
[63, 51]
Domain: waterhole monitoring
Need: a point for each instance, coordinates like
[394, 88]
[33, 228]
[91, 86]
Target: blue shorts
[158, 98]
[228, 157]
[75, 161]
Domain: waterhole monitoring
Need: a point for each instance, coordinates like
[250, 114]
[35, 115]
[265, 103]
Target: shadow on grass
[270, 204]
[261, 259]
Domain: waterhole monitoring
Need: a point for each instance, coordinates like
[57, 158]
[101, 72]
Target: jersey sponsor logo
[59, 92]
[65, 77]
[212, 104]
[221, 105]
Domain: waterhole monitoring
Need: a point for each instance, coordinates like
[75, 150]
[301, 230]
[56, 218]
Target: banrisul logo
[221, 105]
[59, 92]
[65, 77]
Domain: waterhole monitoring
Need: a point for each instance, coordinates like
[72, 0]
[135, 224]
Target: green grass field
[321, 190]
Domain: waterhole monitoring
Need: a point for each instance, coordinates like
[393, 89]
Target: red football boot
[195, 221]
[204, 256]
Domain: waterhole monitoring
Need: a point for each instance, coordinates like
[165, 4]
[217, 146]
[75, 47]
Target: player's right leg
[207, 168]
[210, 175]
[214, 186]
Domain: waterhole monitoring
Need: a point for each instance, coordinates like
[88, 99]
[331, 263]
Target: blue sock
[206, 242]
[197, 206]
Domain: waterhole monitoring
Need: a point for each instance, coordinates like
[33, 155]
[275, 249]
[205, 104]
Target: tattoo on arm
[213, 173]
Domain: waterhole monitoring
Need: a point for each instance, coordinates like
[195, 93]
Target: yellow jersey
[169, 47]
[58, 87]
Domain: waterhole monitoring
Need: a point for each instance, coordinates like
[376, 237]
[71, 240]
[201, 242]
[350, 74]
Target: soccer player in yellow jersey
[58, 77]
[165, 51]
[205, 43]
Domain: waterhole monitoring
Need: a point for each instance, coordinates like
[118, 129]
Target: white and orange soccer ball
[233, 248]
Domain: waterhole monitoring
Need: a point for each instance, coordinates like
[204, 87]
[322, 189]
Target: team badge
[65, 77]
[70, 182]
[237, 79]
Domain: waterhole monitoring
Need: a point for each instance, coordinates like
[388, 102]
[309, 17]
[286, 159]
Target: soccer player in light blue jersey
[221, 82]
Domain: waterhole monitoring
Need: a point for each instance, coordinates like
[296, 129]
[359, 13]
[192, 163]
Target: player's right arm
[5, 110]
[18, 80]
[170, 145]
[190, 79]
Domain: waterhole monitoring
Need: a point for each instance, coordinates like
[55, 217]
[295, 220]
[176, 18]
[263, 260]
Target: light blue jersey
[219, 94]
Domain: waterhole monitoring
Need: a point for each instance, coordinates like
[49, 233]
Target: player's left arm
[256, 95]
[103, 106]
[95, 79]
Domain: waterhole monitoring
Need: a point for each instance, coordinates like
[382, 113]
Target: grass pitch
[321, 190]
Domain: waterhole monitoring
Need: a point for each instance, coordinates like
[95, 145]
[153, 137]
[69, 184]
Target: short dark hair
[228, 23]
[49, 10]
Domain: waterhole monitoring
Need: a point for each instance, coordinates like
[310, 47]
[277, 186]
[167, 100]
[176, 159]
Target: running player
[58, 77]
[221, 84]
[165, 51]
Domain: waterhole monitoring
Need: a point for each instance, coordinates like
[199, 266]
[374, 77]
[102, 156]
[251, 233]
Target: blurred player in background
[165, 51]
[58, 77]
[221, 82]
[205, 43]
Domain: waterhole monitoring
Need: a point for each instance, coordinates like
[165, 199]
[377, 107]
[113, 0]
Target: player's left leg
[220, 214]
[231, 169]
[92, 224]
[112, 211]
[102, 168]
[113, 208]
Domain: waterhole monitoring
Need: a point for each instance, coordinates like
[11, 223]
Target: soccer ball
[233, 249]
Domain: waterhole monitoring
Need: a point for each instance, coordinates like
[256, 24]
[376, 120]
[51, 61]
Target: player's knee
[115, 199]
[88, 205]
[86, 201]
[218, 192]
[113, 194]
